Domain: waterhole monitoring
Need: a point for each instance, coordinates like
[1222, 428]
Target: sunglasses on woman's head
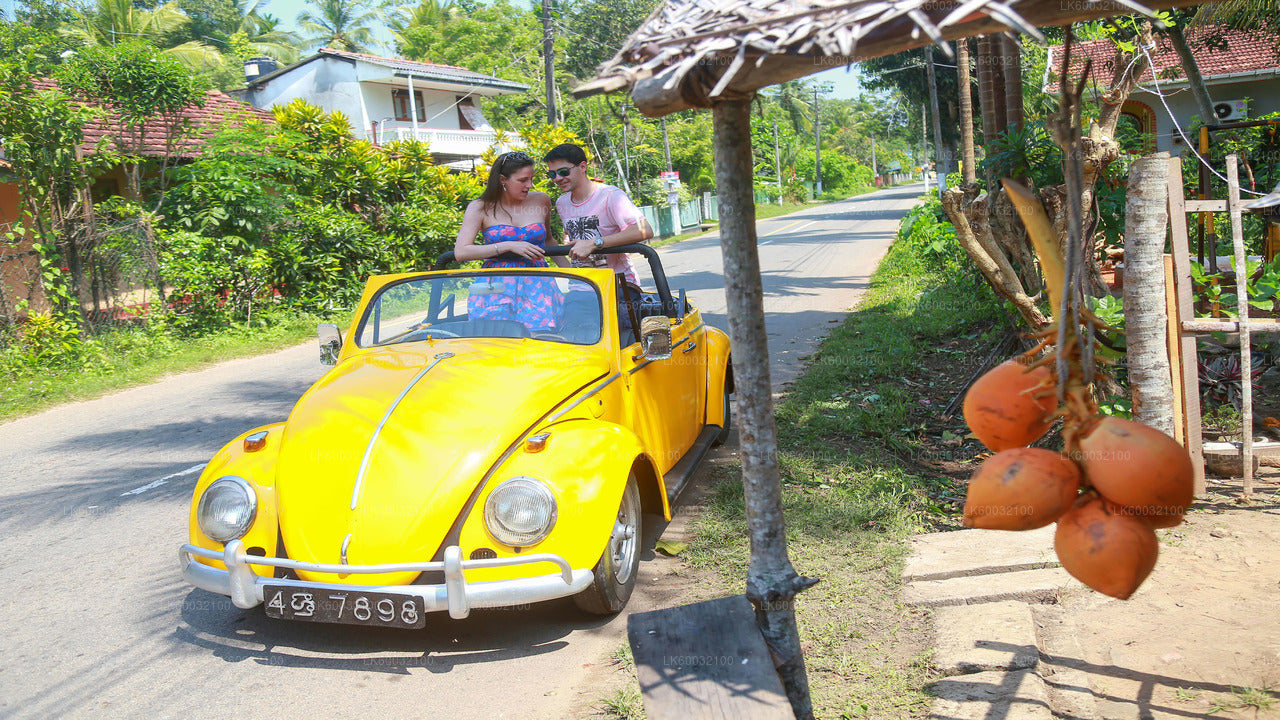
[519, 155]
[562, 172]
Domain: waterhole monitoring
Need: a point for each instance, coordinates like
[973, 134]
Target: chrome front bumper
[456, 595]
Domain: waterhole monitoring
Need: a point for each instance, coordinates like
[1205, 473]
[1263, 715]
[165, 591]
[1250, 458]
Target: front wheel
[615, 572]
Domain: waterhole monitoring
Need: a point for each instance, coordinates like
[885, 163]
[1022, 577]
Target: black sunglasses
[562, 172]
[518, 155]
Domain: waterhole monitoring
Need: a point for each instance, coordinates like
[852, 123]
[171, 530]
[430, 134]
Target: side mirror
[655, 337]
[330, 343]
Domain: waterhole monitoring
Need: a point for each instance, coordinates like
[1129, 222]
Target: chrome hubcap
[622, 543]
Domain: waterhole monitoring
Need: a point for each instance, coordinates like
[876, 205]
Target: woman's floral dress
[534, 302]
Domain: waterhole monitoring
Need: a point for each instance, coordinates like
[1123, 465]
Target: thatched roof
[691, 53]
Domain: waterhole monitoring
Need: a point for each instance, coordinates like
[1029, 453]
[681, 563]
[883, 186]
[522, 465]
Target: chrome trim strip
[373, 440]
[582, 399]
[342, 553]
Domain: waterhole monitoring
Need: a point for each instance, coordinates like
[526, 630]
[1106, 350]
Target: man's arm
[633, 233]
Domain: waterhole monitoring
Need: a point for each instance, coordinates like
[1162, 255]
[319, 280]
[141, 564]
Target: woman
[511, 219]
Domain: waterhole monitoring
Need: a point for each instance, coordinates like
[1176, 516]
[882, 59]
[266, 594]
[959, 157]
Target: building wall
[1263, 96]
[19, 266]
[438, 104]
[328, 83]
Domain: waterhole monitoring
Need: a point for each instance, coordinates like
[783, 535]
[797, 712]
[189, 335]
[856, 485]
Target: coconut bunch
[1114, 482]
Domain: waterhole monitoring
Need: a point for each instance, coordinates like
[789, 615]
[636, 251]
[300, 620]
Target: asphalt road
[94, 499]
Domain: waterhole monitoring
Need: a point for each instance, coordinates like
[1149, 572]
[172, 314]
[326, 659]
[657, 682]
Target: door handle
[692, 345]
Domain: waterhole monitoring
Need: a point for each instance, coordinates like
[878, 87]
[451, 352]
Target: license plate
[349, 607]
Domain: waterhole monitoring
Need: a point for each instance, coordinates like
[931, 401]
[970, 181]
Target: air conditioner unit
[1231, 110]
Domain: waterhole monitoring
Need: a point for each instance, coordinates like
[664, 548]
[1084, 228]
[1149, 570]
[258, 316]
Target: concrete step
[1038, 586]
[1061, 663]
[1016, 695]
[939, 556]
[990, 636]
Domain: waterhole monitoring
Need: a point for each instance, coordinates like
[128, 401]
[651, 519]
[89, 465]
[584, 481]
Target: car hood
[422, 456]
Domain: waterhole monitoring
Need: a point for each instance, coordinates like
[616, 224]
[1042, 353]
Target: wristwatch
[598, 242]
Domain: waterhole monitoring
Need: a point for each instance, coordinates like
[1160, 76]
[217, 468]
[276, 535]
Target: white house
[1240, 69]
[387, 99]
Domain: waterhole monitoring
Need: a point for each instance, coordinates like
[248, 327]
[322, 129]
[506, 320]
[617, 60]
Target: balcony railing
[464, 143]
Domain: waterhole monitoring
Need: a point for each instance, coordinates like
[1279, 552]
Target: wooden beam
[1190, 378]
[1173, 337]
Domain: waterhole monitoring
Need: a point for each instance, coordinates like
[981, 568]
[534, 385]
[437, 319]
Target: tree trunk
[1194, 80]
[772, 583]
[1150, 377]
[966, 112]
[937, 120]
[1011, 64]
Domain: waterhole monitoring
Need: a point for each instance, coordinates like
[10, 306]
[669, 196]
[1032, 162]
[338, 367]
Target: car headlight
[520, 512]
[227, 509]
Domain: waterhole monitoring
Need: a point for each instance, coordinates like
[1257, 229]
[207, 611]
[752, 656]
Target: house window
[466, 107]
[400, 103]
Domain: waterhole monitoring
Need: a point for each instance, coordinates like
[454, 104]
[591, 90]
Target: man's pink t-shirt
[606, 212]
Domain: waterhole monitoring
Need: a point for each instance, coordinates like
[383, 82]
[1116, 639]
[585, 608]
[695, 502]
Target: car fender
[719, 375]
[258, 468]
[585, 463]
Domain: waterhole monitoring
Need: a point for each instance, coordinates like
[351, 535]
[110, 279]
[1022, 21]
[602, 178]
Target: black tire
[723, 435]
[616, 570]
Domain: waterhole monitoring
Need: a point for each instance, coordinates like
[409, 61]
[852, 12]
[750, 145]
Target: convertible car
[485, 438]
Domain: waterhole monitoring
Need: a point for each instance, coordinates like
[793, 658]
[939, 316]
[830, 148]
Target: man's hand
[582, 249]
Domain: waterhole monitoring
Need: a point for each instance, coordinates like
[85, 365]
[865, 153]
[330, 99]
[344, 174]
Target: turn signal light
[255, 442]
[536, 443]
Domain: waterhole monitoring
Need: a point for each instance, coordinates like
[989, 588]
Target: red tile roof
[1244, 52]
[204, 121]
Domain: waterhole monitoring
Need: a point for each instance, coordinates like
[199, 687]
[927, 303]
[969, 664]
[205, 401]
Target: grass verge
[126, 358]
[849, 441]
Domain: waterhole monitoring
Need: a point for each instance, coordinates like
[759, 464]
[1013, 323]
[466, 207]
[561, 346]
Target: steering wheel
[439, 332]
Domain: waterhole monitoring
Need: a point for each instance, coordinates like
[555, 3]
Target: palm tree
[340, 24]
[794, 98]
[262, 33]
[426, 12]
[114, 21]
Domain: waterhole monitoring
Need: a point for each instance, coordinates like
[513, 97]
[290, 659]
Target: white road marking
[157, 483]
[784, 227]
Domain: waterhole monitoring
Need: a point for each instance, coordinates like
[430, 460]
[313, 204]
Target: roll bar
[655, 267]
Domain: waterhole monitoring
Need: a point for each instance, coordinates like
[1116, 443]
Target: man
[595, 216]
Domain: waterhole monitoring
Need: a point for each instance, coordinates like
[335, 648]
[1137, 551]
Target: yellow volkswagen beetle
[485, 438]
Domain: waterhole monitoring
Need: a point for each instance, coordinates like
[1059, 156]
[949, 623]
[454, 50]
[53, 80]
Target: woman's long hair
[503, 167]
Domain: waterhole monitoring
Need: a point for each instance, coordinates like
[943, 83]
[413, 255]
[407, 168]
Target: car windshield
[543, 306]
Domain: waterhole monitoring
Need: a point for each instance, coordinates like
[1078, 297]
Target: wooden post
[1242, 307]
[1173, 337]
[772, 583]
[1146, 209]
[1190, 377]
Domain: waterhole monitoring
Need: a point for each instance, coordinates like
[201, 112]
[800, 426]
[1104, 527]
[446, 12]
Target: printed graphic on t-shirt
[588, 228]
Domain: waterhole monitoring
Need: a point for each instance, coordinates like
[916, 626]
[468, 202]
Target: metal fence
[691, 216]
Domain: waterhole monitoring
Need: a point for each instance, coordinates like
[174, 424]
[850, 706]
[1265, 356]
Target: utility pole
[937, 121]
[666, 145]
[626, 153]
[777, 162]
[924, 147]
[549, 61]
[817, 142]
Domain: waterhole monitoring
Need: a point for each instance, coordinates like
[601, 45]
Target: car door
[668, 395]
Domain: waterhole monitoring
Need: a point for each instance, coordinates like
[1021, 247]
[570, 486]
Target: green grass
[126, 358]
[850, 500]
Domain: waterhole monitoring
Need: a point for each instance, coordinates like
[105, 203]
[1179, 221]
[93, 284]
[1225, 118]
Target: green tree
[111, 22]
[340, 24]
[498, 39]
[597, 29]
